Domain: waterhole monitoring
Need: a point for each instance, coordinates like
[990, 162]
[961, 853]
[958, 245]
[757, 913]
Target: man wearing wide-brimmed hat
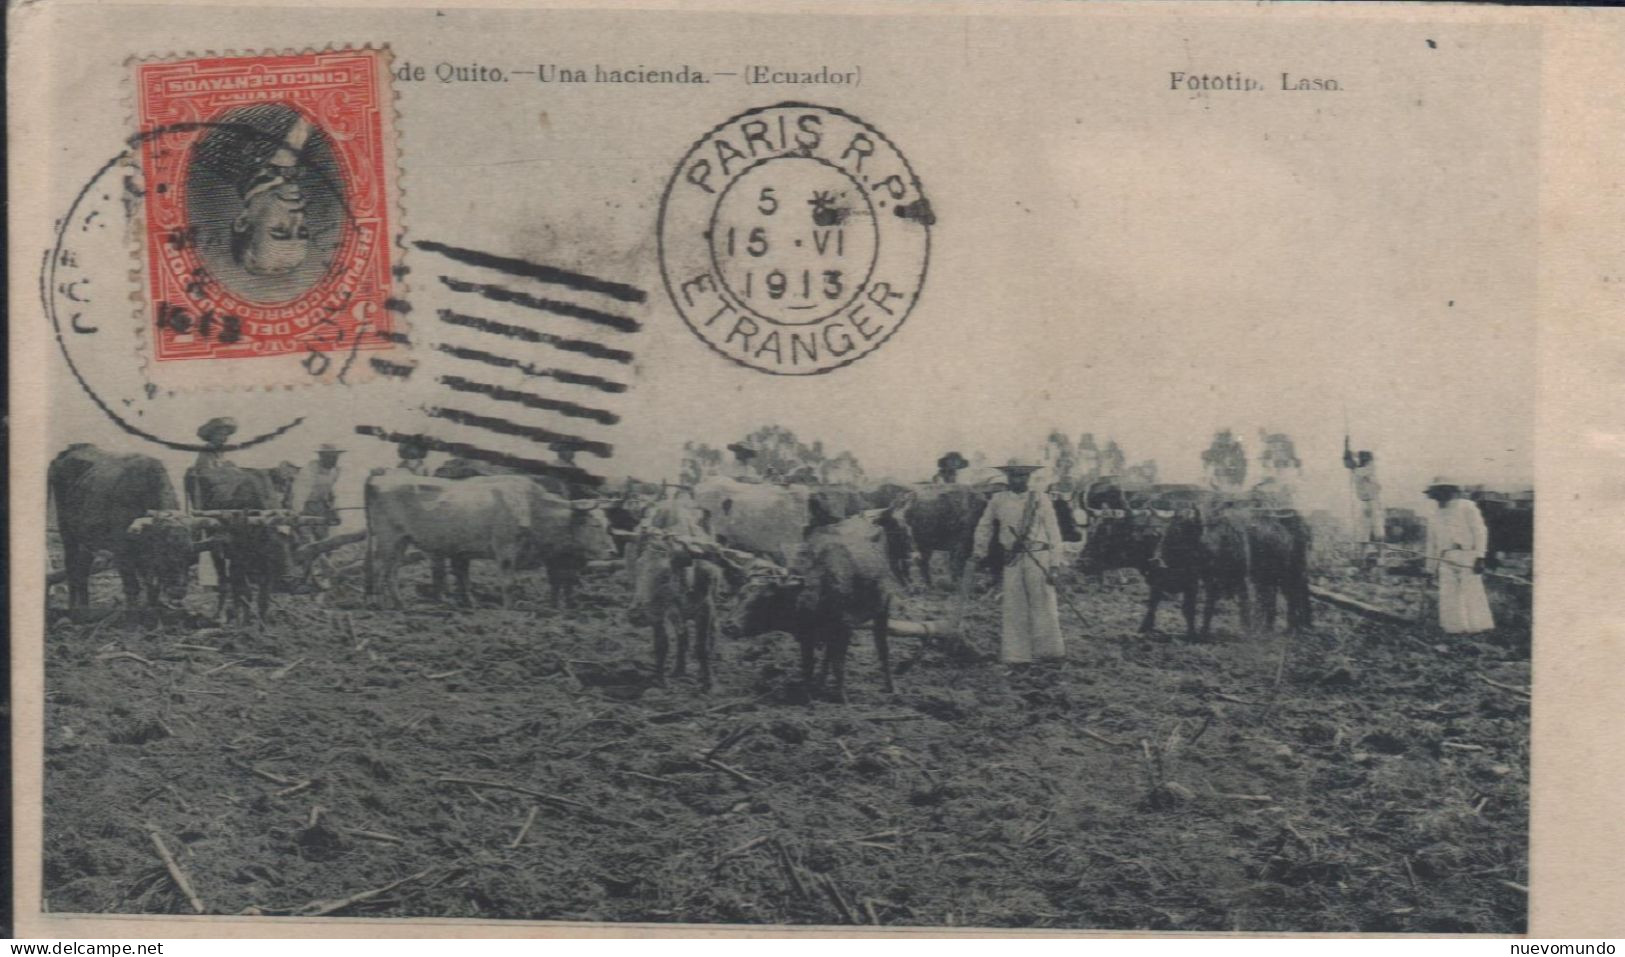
[1025, 525]
[948, 468]
[745, 466]
[214, 433]
[1457, 543]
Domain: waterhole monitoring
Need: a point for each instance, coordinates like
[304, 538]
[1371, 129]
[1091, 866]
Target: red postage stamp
[269, 187]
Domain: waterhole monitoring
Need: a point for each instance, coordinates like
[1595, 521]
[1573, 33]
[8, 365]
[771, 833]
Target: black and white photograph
[1002, 469]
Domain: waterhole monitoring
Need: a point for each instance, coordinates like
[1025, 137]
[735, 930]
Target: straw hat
[1018, 469]
[1441, 481]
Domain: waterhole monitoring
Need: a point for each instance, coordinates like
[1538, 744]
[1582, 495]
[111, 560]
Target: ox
[943, 518]
[676, 573]
[1177, 554]
[564, 573]
[102, 501]
[255, 554]
[1066, 518]
[844, 579]
[1509, 519]
[883, 495]
[1225, 561]
[1279, 543]
[624, 515]
[766, 520]
[506, 518]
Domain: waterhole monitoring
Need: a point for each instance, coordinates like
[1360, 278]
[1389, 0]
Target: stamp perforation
[393, 245]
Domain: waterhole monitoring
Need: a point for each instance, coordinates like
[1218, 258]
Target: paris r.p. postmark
[794, 239]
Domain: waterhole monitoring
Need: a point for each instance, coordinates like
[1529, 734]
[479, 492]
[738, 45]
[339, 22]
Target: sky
[1109, 256]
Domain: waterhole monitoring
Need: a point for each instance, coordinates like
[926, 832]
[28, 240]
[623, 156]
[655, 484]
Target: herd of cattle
[813, 561]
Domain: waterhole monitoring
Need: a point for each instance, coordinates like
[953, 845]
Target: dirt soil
[522, 764]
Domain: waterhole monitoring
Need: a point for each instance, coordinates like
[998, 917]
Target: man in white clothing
[1024, 522]
[313, 489]
[1457, 540]
[1362, 468]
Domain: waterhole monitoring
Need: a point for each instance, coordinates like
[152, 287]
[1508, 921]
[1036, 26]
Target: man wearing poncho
[1026, 528]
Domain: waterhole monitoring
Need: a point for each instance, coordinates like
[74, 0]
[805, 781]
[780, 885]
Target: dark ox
[1509, 522]
[844, 578]
[676, 576]
[1067, 519]
[885, 494]
[624, 515]
[101, 505]
[505, 518]
[254, 554]
[1226, 563]
[1119, 538]
[1279, 546]
[1177, 556]
[943, 518]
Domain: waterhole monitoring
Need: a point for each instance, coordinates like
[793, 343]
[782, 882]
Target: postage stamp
[794, 239]
[269, 207]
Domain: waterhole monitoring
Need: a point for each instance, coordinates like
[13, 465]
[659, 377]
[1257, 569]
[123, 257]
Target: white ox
[505, 518]
[769, 520]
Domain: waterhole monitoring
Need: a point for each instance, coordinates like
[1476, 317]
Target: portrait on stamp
[265, 202]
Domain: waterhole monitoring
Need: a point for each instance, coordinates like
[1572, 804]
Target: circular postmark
[794, 239]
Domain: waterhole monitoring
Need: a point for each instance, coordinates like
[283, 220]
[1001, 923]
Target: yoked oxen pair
[508, 519]
[841, 579]
[1224, 550]
[254, 548]
[102, 504]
